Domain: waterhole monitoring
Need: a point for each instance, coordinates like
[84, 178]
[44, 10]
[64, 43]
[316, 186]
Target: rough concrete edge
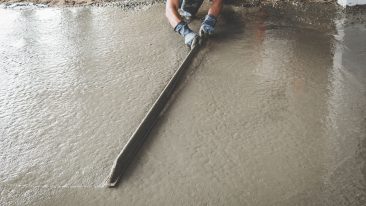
[133, 4]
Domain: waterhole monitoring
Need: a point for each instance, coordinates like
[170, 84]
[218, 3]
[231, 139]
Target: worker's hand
[191, 38]
[208, 26]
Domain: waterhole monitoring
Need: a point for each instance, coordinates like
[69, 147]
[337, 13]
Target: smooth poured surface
[272, 112]
[73, 88]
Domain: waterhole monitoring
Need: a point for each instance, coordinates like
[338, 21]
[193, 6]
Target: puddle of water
[272, 112]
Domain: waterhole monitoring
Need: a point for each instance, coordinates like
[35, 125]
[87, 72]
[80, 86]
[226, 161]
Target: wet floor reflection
[272, 111]
[346, 123]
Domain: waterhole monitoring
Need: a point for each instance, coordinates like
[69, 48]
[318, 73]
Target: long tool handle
[138, 137]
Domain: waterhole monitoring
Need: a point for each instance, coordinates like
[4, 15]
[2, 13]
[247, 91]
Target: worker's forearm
[215, 8]
[171, 12]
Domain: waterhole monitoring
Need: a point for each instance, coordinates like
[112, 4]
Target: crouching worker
[187, 10]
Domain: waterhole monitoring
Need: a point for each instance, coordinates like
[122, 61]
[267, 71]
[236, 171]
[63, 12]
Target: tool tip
[112, 181]
[110, 185]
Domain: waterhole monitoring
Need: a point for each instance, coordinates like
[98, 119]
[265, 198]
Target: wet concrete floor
[272, 111]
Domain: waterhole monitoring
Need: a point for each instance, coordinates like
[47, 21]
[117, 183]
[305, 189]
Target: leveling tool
[135, 142]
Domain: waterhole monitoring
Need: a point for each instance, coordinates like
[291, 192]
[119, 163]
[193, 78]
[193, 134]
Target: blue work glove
[208, 26]
[191, 39]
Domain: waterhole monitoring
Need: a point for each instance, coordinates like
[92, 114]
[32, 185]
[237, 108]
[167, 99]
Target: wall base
[351, 2]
